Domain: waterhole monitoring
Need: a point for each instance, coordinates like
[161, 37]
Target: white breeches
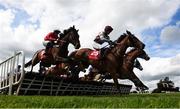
[99, 46]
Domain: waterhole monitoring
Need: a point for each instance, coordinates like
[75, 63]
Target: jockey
[50, 39]
[102, 40]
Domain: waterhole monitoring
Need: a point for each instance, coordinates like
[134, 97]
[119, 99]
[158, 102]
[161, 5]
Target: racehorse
[58, 51]
[114, 58]
[70, 69]
[126, 71]
[59, 70]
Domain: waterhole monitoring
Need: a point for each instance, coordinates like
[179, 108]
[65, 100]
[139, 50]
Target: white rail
[12, 71]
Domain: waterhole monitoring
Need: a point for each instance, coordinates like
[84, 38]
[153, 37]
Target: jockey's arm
[105, 40]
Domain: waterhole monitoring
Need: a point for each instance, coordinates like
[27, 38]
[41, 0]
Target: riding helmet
[108, 28]
[57, 31]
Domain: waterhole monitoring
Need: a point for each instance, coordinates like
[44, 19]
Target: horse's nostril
[148, 58]
[77, 46]
[143, 46]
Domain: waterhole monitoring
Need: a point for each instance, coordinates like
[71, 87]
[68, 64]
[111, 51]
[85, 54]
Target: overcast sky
[24, 23]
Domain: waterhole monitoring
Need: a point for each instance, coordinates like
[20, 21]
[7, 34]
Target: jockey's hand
[111, 42]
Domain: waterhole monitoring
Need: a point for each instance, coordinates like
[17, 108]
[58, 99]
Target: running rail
[10, 73]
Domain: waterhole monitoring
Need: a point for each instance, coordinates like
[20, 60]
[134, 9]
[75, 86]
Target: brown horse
[113, 59]
[59, 70]
[126, 71]
[70, 69]
[58, 51]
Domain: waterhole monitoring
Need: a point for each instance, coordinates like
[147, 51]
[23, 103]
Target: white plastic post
[12, 74]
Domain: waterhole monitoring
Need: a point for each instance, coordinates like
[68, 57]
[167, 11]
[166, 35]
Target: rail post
[11, 74]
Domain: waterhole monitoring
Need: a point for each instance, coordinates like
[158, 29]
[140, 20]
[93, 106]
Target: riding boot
[46, 50]
[103, 52]
[106, 51]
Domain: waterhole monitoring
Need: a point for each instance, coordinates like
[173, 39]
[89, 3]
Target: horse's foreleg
[137, 82]
[103, 78]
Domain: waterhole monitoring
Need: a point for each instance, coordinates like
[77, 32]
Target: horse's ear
[77, 30]
[128, 32]
[73, 26]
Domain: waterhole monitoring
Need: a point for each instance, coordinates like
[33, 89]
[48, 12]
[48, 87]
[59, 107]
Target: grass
[170, 100]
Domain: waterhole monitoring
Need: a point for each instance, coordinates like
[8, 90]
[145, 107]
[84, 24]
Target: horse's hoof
[145, 88]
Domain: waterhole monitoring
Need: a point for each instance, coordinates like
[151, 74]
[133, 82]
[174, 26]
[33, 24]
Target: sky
[24, 23]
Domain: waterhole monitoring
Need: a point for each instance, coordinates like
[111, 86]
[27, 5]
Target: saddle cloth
[94, 55]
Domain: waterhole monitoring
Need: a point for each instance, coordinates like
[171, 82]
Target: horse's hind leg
[34, 61]
[115, 79]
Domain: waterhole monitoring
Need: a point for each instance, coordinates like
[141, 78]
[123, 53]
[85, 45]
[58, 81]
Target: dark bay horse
[70, 69]
[114, 58]
[126, 71]
[59, 70]
[67, 70]
[58, 51]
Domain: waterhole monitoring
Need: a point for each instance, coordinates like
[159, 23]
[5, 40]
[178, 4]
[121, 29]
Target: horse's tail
[28, 63]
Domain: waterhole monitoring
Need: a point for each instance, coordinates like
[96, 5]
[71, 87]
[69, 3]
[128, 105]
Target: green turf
[170, 100]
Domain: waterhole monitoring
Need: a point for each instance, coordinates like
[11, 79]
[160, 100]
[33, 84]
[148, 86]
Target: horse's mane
[121, 37]
[66, 31]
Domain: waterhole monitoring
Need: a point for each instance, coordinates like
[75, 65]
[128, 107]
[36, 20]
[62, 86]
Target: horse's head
[143, 55]
[135, 42]
[130, 40]
[71, 35]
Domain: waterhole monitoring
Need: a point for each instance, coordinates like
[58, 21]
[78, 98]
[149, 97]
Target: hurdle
[20, 82]
[11, 72]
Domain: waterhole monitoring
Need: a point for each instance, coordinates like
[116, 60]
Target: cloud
[157, 68]
[7, 17]
[91, 16]
[171, 34]
[161, 66]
